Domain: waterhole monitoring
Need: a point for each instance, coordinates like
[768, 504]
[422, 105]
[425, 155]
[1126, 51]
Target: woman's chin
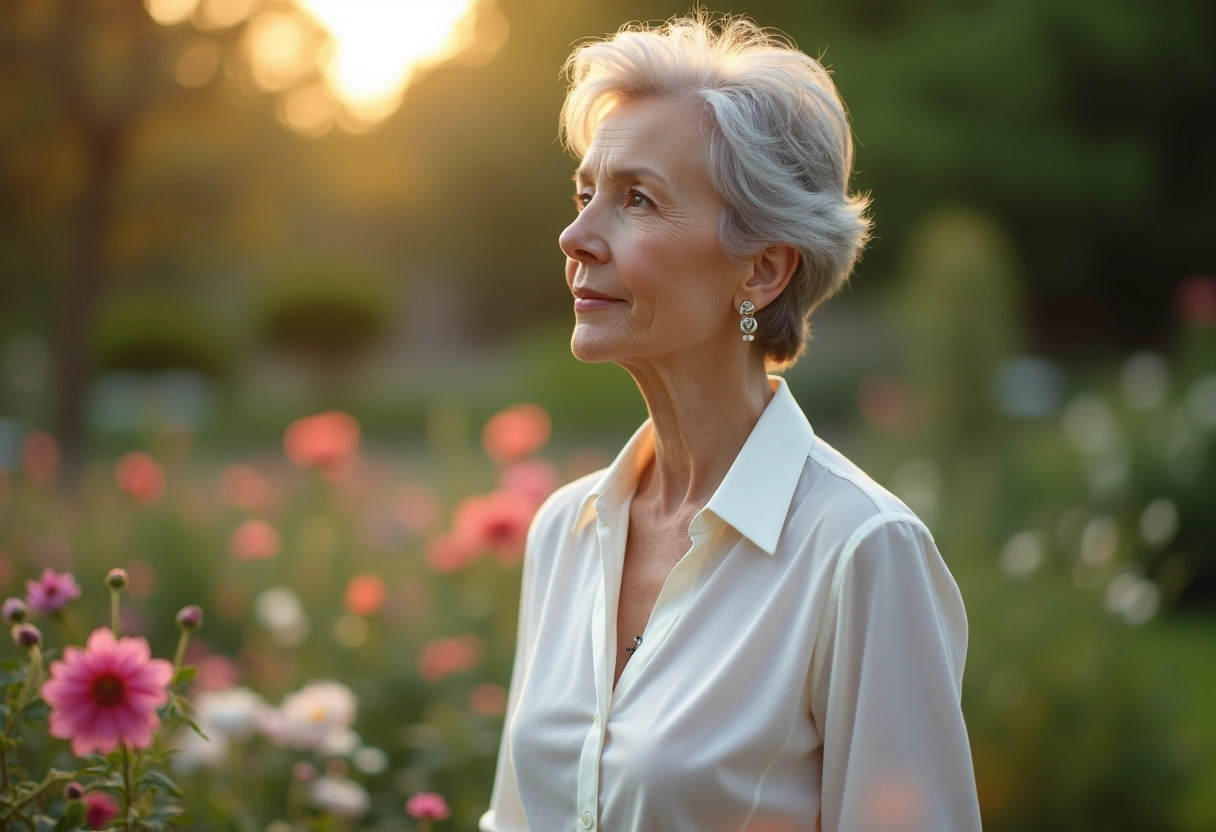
[589, 348]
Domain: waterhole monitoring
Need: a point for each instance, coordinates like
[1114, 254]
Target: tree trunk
[81, 292]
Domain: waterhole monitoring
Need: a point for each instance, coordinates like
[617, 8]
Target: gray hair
[777, 139]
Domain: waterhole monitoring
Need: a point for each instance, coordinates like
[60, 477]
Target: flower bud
[304, 772]
[73, 791]
[27, 636]
[117, 579]
[14, 610]
[190, 617]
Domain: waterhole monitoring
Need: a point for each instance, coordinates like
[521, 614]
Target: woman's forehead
[651, 136]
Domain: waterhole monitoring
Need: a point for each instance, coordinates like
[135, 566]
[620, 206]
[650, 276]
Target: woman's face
[642, 257]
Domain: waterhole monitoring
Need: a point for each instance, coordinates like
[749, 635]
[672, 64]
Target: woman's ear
[772, 269]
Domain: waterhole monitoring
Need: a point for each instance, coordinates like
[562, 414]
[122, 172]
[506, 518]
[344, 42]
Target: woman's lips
[588, 304]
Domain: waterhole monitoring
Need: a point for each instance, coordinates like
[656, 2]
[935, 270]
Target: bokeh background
[219, 217]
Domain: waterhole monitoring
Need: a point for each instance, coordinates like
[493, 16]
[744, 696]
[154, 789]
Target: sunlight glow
[170, 12]
[378, 47]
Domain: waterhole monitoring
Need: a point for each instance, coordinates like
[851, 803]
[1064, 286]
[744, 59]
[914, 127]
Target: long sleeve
[506, 813]
[895, 750]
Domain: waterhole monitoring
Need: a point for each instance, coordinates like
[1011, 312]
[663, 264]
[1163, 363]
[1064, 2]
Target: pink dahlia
[52, 592]
[106, 694]
[428, 806]
[99, 809]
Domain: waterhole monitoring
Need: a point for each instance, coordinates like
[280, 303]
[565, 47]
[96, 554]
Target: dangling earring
[747, 324]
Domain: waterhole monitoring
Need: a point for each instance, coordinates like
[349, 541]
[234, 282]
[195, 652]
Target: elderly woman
[732, 627]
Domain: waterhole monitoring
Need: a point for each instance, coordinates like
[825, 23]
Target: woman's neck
[702, 415]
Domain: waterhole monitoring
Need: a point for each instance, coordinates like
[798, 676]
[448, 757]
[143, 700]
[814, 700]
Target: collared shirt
[800, 671]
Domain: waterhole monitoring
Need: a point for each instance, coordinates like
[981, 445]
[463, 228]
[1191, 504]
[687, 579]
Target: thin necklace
[637, 642]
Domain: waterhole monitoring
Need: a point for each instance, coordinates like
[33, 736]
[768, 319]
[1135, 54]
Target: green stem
[126, 787]
[52, 777]
[69, 624]
[180, 654]
[32, 678]
[114, 596]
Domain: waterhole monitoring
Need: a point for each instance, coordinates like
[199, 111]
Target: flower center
[108, 690]
[501, 531]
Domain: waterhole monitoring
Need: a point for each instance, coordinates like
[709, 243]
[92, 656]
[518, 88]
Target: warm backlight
[374, 49]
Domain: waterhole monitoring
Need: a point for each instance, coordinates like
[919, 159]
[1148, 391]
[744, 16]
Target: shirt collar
[754, 496]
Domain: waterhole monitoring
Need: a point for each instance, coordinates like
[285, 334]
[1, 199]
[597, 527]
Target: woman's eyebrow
[584, 175]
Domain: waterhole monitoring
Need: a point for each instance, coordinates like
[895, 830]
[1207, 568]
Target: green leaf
[158, 780]
[184, 674]
[72, 818]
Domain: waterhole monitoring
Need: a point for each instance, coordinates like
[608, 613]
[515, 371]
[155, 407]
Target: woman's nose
[582, 241]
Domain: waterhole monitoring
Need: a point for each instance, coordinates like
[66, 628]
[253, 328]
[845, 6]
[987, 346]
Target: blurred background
[283, 332]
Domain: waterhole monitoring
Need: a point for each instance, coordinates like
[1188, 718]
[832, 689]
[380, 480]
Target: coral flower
[106, 694]
[140, 476]
[324, 441]
[497, 522]
[243, 487]
[445, 656]
[40, 456]
[52, 592]
[99, 809]
[254, 540]
[365, 594]
[517, 431]
[445, 554]
[428, 806]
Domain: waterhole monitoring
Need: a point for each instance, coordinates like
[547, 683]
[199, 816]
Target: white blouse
[801, 669]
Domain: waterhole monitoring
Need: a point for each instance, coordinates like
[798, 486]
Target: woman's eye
[581, 200]
[635, 199]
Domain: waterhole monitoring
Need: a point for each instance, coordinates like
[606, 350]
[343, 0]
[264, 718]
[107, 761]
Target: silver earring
[747, 324]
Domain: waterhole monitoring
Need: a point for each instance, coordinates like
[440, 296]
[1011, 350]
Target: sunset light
[345, 62]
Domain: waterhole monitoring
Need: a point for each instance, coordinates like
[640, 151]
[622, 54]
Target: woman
[732, 627]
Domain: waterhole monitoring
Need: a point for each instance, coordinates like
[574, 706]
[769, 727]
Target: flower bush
[110, 700]
[358, 640]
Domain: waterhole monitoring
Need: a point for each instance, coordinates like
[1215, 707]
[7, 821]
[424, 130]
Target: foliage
[153, 334]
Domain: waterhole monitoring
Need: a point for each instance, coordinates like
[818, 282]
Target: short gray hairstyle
[778, 146]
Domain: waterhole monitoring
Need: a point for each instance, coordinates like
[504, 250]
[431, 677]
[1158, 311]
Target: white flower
[234, 713]
[314, 717]
[279, 610]
[195, 752]
[341, 797]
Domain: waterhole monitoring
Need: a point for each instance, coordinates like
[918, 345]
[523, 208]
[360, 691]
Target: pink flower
[533, 478]
[497, 522]
[140, 476]
[325, 441]
[52, 592]
[106, 694]
[1195, 299]
[445, 656]
[254, 540]
[99, 809]
[517, 431]
[428, 806]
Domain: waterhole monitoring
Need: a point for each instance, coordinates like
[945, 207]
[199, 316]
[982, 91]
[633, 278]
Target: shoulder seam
[827, 619]
[846, 476]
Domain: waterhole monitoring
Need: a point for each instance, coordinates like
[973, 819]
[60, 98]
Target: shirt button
[596, 720]
[586, 820]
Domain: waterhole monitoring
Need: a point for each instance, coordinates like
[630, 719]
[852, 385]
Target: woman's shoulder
[836, 501]
[564, 506]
